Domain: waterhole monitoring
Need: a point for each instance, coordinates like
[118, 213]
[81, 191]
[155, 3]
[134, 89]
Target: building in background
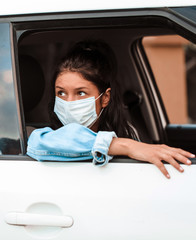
[173, 61]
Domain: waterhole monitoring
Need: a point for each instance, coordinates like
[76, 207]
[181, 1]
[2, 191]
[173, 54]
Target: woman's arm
[151, 153]
[75, 142]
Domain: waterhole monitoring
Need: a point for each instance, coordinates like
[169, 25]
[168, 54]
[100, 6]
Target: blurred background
[173, 62]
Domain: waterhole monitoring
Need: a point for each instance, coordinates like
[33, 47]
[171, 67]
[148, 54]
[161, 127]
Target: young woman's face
[71, 86]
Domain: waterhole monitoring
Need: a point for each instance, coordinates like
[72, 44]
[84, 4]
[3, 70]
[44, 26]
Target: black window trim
[159, 120]
[21, 121]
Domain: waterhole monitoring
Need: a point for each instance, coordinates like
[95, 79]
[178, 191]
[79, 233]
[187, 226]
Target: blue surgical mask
[80, 111]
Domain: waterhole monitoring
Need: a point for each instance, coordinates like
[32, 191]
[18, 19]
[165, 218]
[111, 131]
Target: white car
[125, 199]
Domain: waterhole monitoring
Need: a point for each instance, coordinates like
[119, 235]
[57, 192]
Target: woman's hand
[151, 153]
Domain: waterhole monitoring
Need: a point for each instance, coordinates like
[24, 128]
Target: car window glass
[173, 62]
[9, 133]
[187, 12]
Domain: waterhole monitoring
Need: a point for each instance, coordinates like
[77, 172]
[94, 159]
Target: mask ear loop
[99, 96]
[99, 113]
[96, 118]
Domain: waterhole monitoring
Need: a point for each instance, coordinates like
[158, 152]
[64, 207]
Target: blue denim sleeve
[72, 142]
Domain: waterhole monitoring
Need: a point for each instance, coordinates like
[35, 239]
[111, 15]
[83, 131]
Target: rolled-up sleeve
[101, 147]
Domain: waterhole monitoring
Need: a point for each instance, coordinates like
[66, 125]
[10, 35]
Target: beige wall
[167, 58]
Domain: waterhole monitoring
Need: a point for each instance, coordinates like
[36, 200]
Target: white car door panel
[118, 201]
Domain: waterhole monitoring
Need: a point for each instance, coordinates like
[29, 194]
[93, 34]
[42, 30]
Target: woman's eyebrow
[59, 87]
[77, 89]
[80, 88]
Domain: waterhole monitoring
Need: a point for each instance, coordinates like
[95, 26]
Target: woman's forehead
[73, 80]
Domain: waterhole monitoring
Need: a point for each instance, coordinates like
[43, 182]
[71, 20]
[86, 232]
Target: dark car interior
[39, 51]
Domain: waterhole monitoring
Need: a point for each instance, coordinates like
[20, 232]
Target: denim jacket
[71, 142]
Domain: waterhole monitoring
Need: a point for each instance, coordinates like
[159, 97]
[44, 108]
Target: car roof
[12, 7]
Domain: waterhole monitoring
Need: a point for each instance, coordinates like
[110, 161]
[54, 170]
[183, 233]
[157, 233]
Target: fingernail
[192, 155]
[168, 176]
[181, 169]
[188, 161]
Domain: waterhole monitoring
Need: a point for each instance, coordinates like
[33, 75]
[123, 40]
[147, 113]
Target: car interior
[39, 51]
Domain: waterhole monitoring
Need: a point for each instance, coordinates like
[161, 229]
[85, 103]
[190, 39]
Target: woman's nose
[70, 98]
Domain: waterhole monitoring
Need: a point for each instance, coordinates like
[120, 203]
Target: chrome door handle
[17, 218]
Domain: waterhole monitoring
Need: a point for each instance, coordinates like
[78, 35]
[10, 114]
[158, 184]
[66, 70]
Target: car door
[126, 199]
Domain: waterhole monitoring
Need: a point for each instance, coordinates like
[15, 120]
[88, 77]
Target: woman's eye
[81, 93]
[61, 93]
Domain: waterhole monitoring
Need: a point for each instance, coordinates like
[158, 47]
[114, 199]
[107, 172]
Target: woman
[87, 115]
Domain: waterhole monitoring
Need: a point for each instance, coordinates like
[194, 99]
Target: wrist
[120, 146]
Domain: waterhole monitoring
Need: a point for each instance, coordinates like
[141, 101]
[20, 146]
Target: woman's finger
[168, 153]
[162, 168]
[176, 155]
[173, 162]
[180, 151]
[167, 157]
[181, 158]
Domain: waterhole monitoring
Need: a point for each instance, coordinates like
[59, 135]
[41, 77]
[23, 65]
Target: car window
[41, 44]
[187, 12]
[9, 132]
[173, 62]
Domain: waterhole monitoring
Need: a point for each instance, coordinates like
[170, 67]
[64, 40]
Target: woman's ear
[105, 98]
